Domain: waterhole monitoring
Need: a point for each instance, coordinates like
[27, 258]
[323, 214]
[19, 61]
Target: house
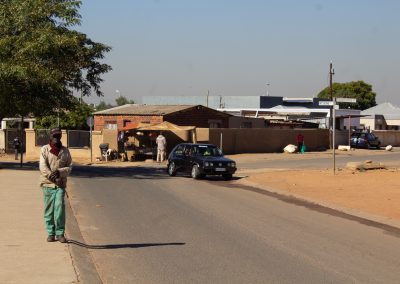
[385, 116]
[182, 115]
[269, 111]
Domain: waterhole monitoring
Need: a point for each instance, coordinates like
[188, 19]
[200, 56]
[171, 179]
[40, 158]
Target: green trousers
[54, 210]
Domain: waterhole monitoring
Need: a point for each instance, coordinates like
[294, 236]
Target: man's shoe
[51, 238]
[61, 238]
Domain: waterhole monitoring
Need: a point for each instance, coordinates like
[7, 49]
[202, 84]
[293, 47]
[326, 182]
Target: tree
[121, 100]
[43, 60]
[74, 118]
[103, 105]
[356, 89]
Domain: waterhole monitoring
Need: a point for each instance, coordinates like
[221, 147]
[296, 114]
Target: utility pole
[331, 73]
[208, 94]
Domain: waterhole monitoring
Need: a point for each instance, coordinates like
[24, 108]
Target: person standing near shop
[17, 146]
[55, 166]
[300, 142]
[161, 147]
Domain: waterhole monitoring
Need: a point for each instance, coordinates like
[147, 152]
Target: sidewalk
[26, 257]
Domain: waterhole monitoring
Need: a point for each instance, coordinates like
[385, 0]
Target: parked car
[200, 160]
[364, 140]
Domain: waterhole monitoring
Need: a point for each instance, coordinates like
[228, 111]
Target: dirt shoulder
[374, 192]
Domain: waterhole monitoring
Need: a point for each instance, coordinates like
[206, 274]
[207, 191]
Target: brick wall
[101, 120]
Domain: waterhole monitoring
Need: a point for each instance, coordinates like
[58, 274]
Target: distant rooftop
[139, 109]
[388, 110]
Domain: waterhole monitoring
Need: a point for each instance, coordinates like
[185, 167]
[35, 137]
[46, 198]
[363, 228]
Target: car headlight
[233, 164]
[208, 164]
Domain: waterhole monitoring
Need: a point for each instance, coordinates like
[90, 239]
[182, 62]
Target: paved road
[391, 159]
[144, 227]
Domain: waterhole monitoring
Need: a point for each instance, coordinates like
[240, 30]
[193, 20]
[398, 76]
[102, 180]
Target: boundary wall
[262, 140]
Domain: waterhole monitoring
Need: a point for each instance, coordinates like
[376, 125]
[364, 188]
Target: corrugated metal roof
[383, 109]
[138, 109]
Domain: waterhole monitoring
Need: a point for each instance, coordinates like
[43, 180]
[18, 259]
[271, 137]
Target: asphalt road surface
[142, 226]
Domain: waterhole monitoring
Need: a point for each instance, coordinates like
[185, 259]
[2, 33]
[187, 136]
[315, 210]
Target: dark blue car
[364, 140]
[200, 160]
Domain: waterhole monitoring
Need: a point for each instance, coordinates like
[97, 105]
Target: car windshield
[206, 150]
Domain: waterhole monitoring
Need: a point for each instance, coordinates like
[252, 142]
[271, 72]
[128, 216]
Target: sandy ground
[376, 192]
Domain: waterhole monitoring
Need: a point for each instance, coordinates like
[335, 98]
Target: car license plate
[220, 169]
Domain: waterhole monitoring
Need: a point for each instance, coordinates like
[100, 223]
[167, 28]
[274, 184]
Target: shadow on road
[26, 166]
[136, 172]
[119, 246]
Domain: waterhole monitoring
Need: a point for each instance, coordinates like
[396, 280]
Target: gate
[78, 139]
[11, 133]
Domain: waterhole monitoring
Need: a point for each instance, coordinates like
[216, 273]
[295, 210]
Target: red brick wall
[199, 117]
[100, 120]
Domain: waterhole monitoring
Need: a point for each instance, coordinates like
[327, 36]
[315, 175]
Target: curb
[362, 217]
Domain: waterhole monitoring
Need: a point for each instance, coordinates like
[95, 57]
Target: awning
[163, 126]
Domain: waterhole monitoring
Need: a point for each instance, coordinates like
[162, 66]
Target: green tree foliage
[43, 60]
[357, 89]
[121, 100]
[103, 105]
[74, 118]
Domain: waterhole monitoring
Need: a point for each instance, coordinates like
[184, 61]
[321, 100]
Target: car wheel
[227, 176]
[172, 169]
[195, 172]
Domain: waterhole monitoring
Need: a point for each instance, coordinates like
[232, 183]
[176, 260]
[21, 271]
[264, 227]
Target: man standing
[17, 146]
[161, 147]
[55, 166]
[300, 142]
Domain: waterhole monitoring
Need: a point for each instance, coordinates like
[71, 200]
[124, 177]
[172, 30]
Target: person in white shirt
[161, 147]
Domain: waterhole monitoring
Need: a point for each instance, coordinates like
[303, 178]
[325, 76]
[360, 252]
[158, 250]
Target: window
[179, 150]
[110, 125]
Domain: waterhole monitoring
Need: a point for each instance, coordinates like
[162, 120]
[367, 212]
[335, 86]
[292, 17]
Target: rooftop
[140, 109]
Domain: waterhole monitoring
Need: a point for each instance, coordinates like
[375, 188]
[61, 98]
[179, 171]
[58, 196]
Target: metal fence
[42, 137]
[78, 138]
[11, 133]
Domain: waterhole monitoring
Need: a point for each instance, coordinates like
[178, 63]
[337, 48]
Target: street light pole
[331, 73]
[267, 89]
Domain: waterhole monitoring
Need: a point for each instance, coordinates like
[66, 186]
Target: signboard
[346, 100]
[325, 103]
[89, 121]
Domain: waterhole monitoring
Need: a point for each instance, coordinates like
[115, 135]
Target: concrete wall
[2, 139]
[203, 134]
[33, 151]
[342, 137]
[264, 140]
[388, 137]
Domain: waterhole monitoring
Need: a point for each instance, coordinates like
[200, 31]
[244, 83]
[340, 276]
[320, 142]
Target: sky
[244, 47]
